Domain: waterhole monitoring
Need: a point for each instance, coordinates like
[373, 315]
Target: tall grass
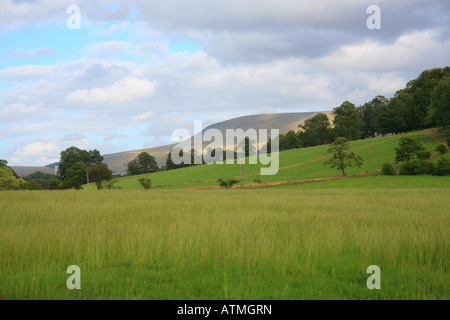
[225, 244]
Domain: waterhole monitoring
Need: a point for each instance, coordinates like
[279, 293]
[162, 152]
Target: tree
[315, 131]
[72, 155]
[341, 157]
[100, 173]
[247, 147]
[347, 121]
[134, 168]
[440, 103]
[408, 149]
[75, 176]
[147, 162]
[370, 113]
[8, 180]
[289, 141]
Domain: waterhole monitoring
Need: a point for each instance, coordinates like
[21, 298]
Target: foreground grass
[225, 244]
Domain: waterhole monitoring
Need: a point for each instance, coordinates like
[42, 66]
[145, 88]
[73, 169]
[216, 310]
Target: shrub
[442, 167]
[424, 155]
[407, 168]
[55, 184]
[442, 148]
[417, 167]
[146, 183]
[32, 185]
[258, 180]
[227, 183]
[109, 184]
[425, 167]
[388, 169]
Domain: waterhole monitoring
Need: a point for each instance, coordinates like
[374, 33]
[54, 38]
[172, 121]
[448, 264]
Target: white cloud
[107, 49]
[421, 49]
[125, 90]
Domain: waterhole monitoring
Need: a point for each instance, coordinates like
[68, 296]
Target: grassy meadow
[285, 240]
[269, 243]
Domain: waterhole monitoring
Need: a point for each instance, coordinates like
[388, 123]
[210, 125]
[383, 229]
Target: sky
[123, 75]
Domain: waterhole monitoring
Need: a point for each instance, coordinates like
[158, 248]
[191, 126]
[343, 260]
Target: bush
[55, 184]
[258, 180]
[417, 167]
[109, 184]
[442, 167]
[146, 183]
[32, 185]
[425, 167]
[424, 155]
[442, 148]
[227, 183]
[388, 169]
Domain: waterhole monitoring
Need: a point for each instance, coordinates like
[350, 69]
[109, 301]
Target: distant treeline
[424, 103]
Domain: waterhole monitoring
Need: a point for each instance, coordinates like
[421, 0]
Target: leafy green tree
[315, 131]
[8, 180]
[408, 149]
[289, 141]
[440, 103]
[147, 162]
[75, 176]
[99, 173]
[347, 121]
[370, 113]
[72, 155]
[134, 168]
[247, 147]
[341, 158]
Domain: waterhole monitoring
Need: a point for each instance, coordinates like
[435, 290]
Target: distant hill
[23, 171]
[117, 162]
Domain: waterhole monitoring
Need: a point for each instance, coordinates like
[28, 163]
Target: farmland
[294, 241]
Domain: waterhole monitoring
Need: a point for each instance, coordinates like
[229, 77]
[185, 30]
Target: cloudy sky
[136, 70]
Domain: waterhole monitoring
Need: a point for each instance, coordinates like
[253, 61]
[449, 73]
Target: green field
[225, 244]
[297, 164]
[309, 240]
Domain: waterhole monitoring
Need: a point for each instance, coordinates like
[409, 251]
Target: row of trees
[424, 103]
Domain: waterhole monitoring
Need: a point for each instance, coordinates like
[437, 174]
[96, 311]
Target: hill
[23, 171]
[298, 165]
[117, 162]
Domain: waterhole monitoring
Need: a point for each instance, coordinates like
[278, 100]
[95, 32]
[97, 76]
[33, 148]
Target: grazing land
[273, 243]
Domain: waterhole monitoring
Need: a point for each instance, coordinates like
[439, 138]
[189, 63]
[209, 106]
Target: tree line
[423, 103]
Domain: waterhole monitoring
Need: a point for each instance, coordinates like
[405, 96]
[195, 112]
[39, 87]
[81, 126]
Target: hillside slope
[305, 164]
[282, 121]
